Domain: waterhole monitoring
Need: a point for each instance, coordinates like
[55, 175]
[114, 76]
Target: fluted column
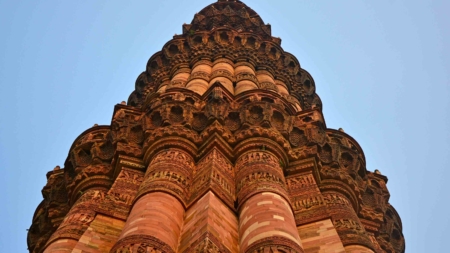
[199, 78]
[350, 229]
[245, 77]
[61, 246]
[210, 222]
[76, 222]
[156, 218]
[266, 221]
[357, 249]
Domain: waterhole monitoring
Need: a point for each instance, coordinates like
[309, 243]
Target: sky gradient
[381, 69]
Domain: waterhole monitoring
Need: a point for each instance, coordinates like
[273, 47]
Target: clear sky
[381, 68]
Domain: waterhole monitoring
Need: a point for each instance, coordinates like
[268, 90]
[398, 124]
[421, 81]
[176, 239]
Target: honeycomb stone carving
[199, 122]
[156, 119]
[233, 122]
[278, 120]
[255, 114]
[176, 114]
[297, 138]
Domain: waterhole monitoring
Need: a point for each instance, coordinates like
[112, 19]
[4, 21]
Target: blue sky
[380, 67]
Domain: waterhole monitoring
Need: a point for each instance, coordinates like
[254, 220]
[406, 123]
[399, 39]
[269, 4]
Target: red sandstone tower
[222, 147]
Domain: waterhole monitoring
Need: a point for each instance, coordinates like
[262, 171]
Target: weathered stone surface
[222, 147]
[320, 237]
[209, 222]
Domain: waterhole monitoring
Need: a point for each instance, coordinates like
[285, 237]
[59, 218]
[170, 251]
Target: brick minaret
[222, 147]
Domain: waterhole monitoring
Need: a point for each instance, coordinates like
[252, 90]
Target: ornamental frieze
[223, 73]
[320, 200]
[173, 156]
[303, 181]
[123, 192]
[257, 157]
[246, 76]
[259, 177]
[348, 224]
[199, 75]
[169, 176]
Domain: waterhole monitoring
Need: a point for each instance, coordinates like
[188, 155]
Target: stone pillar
[61, 245]
[210, 226]
[266, 220]
[156, 218]
[76, 222]
[346, 221]
[210, 222]
[357, 249]
[154, 223]
[315, 227]
[245, 77]
[100, 236]
[199, 78]
[223, 72]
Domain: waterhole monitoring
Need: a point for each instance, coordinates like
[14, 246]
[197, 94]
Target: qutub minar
[222, 147]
